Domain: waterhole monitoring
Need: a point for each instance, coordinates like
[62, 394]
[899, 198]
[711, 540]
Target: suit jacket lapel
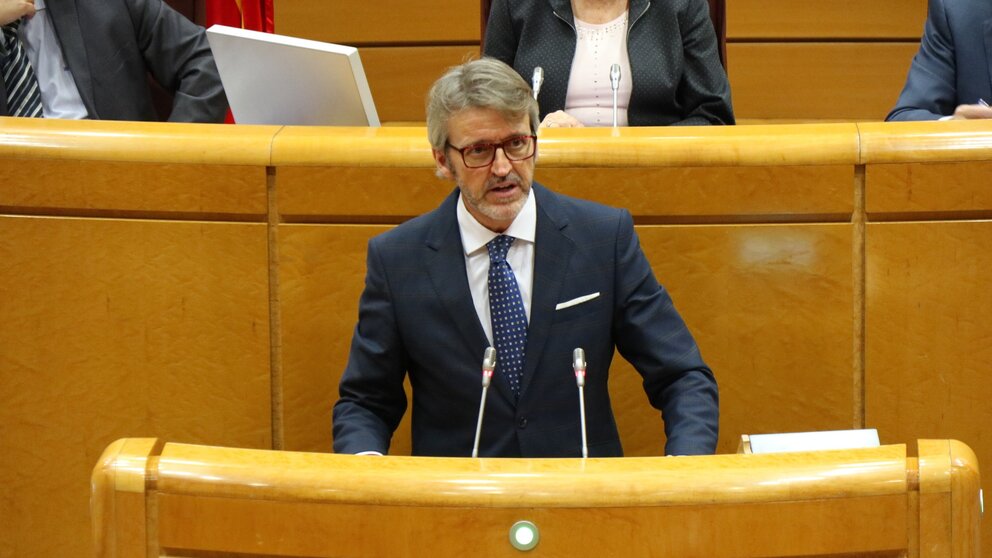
[553, 250]
[445, 262]
[65, 19]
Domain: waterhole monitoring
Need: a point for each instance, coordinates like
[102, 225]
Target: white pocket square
[574, 301]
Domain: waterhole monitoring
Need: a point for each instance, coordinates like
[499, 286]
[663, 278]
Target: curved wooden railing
[197, 500]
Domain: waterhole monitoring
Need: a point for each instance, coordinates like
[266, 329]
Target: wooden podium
[165, 499]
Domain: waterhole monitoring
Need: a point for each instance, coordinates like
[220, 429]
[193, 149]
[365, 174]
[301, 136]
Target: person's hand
[560, 119]
[972, 112]
[13, 10]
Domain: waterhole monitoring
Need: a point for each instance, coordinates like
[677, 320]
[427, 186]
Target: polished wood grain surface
[750, 294]
[113, 188]
[114, 328]
[713, 193]
[135, 142]
[928, 190]
[351, 21]
[927, 334]
[231, 502]
[321, 276]
[214, 299]
[817, 80]
[602, 482]
[400, 76]
[925, 142]
[118, 505]
[779, 145]
[824, 19]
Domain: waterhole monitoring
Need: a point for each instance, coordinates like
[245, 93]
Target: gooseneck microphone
[579, 366]
[488, 365]
[615, 86]
[537, 80]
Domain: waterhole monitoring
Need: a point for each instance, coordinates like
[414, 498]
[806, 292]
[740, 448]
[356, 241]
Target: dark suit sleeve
[704, 91]
[930, 92]
[653, 337]
[500, 41]
[372, 400]
[178, 56]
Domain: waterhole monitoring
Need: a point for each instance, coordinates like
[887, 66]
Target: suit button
[522, 423]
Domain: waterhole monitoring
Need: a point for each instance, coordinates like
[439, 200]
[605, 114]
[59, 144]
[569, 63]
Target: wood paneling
[928, 342]
[399, 77]
[725, 194]
[108, 187]
[358, 193]
[850, 81]
[819, 19]
[321, 275]
[352, 22]
[751, 294]
[113, 328]
[920, 189]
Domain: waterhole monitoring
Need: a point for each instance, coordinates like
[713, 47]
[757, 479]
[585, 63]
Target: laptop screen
[274, 79]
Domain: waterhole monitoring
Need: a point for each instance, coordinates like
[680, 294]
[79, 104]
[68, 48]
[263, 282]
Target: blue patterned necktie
[506, 310]
[23, 95]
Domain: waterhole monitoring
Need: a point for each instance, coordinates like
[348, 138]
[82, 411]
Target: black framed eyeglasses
[517, 148]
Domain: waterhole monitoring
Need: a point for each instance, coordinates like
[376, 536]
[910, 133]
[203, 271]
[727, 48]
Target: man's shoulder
[421, 228]
[577, 213]
[970, 12]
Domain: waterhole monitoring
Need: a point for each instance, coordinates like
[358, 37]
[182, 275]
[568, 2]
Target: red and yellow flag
[256, 15]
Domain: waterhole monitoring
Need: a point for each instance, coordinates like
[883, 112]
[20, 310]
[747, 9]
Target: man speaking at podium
[505, 262]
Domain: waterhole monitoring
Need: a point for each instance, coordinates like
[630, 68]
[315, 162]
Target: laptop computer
[274, 79]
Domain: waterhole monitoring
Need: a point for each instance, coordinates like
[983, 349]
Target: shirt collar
[475, 236]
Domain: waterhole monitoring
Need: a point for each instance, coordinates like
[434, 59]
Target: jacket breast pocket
[583, 306]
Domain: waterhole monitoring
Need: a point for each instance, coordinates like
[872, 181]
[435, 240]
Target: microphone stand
[488, 365]
[615, 85]
[536, 80]
[579, 366]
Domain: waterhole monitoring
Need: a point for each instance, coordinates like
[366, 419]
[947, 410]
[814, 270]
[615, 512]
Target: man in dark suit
[92, 60]
[951, 75]
[444, 286]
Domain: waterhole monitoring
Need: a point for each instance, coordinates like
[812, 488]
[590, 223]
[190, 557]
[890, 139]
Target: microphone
[488, 365]
[579, 366]
[615, 86]
[536, 80]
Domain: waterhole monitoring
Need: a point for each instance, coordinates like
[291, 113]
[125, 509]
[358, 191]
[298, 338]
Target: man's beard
[501, 212]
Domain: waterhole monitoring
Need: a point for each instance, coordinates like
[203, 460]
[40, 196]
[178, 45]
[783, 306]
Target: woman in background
[667, 51]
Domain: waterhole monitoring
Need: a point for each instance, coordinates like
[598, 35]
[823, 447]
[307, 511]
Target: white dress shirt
[520, 256]
[59, 96]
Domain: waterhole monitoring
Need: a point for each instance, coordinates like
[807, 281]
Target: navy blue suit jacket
[416, 316]
[954, 64]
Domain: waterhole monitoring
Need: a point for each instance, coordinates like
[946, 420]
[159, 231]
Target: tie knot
[498, 247]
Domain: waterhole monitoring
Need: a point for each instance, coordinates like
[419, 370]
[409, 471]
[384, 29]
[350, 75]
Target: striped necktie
[23, 95]
[506, 308]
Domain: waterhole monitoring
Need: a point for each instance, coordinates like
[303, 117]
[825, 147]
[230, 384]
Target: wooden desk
[154, 499]
[201, 282]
